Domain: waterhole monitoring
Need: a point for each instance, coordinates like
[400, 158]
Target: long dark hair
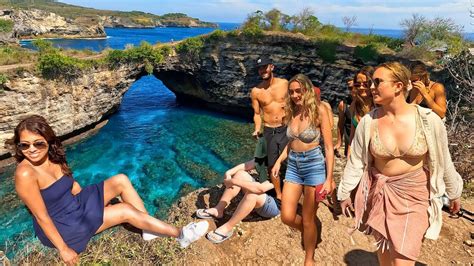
[38, 125]
[360, 109]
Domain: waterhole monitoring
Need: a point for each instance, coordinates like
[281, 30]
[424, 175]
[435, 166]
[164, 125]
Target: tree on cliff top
[274, 20]
[433, 34]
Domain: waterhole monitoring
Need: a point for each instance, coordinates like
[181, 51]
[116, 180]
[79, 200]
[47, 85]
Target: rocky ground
[270, 242]
[258, 242]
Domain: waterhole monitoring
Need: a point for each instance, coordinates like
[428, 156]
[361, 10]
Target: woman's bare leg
[120, 185]
[309, 224]
[126, 213]
[384, 258]
[400, 260]
[289, 204]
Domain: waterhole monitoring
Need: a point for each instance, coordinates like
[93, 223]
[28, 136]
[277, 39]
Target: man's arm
[438, 104]
[249, 165]
[257, 119]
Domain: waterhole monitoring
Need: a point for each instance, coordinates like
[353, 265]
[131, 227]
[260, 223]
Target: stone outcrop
[223, 74]
[124, 22]
[129, 22]
[71, 108]
[34, 23]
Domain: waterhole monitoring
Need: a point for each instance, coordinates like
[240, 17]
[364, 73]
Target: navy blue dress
[77, 217]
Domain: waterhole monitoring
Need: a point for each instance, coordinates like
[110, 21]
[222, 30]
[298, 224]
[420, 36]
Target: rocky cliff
[71, 108]
[218, 75]
[222, 74]
[35, 23]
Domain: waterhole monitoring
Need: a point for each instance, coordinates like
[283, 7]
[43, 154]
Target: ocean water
[119, 38]
[166, 150]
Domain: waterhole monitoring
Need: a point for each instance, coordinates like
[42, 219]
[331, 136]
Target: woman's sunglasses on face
[363, 85]
[378, 81]
[40, 145]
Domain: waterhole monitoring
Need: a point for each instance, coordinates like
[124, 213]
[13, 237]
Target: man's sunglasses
[40, 145]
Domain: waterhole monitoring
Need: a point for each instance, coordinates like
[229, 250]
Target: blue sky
[376, 14]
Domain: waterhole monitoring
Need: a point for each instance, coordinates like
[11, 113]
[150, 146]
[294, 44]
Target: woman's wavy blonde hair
[399, 73]
[310, 101]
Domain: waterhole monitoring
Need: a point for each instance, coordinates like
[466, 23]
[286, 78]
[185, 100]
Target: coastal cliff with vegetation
[216, 71]
[21, 19]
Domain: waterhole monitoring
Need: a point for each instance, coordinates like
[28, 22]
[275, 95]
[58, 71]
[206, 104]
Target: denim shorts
[306, 168]
[269, 208]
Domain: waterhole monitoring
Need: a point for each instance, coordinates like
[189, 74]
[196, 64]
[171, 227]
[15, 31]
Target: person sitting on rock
[66, 216]
[257, 195]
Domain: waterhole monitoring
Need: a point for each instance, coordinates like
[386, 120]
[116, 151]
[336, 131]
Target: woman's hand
[276, 169]
[69, 256]
[347, 207]
[455, 205]
[328, 186]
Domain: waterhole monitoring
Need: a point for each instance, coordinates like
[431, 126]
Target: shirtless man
[426, 93]
[268, 102]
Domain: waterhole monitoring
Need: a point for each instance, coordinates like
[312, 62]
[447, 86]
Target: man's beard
[267, 77]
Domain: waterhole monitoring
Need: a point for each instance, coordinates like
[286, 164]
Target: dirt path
[270, 242]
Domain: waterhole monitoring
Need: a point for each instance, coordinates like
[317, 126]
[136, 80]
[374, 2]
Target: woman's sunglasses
[40, 145]
[365, 84]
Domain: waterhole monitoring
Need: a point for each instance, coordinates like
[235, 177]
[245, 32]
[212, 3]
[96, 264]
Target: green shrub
[56, 65]
[190, 46]
[419, 53]
[326, 50]
[3, 79]
[148, 67]
[233, 33]
[6, 25]
[43, 46]
[366, 53]
[252, 31]
[15, 55]
[216, 35]
[137, 55]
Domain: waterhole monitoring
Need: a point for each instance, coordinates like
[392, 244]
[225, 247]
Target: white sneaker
[148, 235]
[192, 232]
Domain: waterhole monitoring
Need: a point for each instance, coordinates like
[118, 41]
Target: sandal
[204, 214]
[217, 238]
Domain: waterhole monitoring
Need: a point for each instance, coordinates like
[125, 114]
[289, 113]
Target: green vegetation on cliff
[424, 39]
[146, 53]
[6, 25]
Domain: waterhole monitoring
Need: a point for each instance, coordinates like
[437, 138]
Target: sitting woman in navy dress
[66, 216]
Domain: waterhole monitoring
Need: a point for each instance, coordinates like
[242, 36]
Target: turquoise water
[166, 150]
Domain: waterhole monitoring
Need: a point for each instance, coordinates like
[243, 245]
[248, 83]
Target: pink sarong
[394, 209]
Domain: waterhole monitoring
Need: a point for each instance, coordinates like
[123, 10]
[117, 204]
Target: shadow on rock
[362, 257]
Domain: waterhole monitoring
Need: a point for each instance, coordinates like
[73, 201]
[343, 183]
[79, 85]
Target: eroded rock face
[69, 107]
[225, 72]
[36, 23]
